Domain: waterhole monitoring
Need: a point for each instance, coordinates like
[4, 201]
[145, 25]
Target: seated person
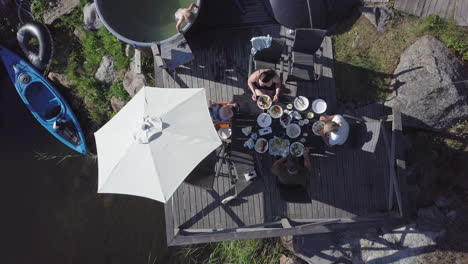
[335, 131]
[221, 111]
[265, 82]
[184, 14]
[290, 172]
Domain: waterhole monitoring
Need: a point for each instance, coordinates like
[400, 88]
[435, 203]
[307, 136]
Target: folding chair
[306, 50]
[268, 58]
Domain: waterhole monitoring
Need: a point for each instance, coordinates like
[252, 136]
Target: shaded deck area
[348, 190]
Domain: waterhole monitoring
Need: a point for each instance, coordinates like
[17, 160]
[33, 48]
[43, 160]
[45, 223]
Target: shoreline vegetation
[366, 59]
[368, 56]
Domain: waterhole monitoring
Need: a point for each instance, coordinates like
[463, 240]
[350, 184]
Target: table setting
[284, 128]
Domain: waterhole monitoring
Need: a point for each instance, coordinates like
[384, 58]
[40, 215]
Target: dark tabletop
[247, 116]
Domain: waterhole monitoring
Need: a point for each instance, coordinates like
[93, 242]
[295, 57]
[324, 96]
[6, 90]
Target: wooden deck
[448, 9]
[349, 189]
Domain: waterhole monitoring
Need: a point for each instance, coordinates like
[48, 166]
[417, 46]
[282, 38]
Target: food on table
[276, 111]
[293, 130]
[261, 146]
[317, 126]
[289, 106]
[264, 120]
[301, 103]
[254, 136]
[279, 146]
[319, 106]
[285, 120]
[310, 115]
[297, 149]
[264, 102]
[249, 144]
[246, 130]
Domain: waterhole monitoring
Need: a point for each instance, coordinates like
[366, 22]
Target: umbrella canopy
[154, 142]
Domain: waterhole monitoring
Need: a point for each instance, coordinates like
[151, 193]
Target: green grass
[453, 36]
[366, 58]
[461, 131]
[83, 58]
[260, 251]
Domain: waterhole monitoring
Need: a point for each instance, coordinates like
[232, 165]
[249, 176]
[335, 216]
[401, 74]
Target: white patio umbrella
[150, 146]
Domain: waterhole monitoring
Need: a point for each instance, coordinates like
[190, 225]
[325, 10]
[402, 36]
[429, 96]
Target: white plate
[301, 103]
[264, 120]
[261, 146]
[316, 127]
[293, 130]
[264, 102]
[319, 106]
[276, 114]
[296, 149]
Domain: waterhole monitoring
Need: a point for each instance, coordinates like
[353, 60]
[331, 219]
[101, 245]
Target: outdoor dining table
[247, 116]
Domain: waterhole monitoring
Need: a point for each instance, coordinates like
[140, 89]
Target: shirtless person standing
[185, 15]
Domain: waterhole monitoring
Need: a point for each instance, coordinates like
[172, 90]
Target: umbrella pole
[310, 14]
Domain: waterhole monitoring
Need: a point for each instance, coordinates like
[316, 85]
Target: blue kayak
[44, 102]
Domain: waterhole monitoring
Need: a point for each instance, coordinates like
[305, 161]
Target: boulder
[91, 20]
[288, 260]
[117, 104]
[401, 246]
[425, 91]
[133, 81]
[106, 72]
[58, 8]
[379, 16]
[79, 33]
[61, 79]
[431, 219]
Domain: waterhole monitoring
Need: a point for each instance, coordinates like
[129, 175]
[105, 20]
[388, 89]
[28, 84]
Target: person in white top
[335, 131]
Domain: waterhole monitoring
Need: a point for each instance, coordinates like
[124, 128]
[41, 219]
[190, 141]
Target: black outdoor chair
[306, 50]
[268, 58]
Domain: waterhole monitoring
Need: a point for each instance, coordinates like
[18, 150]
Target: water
[52, 211]
[143, 20]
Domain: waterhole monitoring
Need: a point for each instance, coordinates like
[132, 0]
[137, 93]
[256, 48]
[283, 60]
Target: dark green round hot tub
[141, 22]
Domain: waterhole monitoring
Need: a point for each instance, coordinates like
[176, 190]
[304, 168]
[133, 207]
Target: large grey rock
[91, 20]
[117, 104]
[425, 91]
[402, 245]
[133, 81]
[106, 71]
[288, 260]
[379, 16]
[58, 8]
[431, 218]
[60, 79]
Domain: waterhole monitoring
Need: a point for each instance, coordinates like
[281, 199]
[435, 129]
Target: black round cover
[295, 13]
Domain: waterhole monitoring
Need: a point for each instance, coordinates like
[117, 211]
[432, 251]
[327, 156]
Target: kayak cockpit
[43, 101]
